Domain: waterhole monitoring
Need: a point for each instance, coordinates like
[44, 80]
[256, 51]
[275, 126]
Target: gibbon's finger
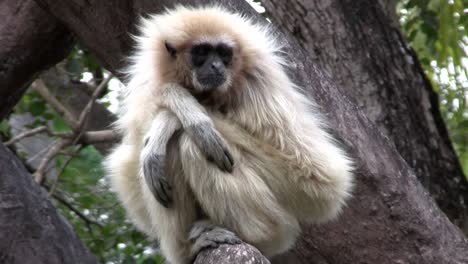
[230, 160]
[212, 145]
[222, 158]
[204, 234]
[165, 192]
[220, 155]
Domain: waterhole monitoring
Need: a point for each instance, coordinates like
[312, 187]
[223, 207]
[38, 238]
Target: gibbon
[219, 145]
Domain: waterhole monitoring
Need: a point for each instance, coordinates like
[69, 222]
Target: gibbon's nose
[217, 67]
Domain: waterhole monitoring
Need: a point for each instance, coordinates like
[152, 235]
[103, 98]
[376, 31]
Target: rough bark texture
[228, 254]
[359, 43]
[391, 219]
[32, 231]
[30, 41]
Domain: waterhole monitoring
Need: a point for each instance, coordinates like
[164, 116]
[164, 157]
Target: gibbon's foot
[153, 170]
[205, 234]
[212, 145]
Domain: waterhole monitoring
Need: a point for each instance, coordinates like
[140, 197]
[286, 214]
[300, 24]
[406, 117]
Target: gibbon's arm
[182, 111]
[153, 155]
[196, 122]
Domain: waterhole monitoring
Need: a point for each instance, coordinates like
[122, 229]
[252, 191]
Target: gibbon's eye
[200, 53]
[225, 53]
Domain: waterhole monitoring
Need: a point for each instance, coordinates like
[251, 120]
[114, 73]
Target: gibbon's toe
[205, 235]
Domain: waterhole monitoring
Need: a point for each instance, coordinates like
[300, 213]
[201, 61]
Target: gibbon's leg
[197, 124]
[242, 201]
[204, 234]
[171, 226]
[153, 155]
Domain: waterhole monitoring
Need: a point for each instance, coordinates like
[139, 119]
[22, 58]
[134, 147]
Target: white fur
[287, 167]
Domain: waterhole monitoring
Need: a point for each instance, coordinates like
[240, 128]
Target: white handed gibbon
[219, 145]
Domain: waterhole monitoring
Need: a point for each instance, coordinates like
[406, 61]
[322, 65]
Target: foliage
[80, 190]
[437, 31]
[109, 235]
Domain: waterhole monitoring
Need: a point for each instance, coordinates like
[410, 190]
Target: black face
[210, 63]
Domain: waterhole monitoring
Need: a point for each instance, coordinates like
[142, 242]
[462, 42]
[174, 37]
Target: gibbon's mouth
[211, 81]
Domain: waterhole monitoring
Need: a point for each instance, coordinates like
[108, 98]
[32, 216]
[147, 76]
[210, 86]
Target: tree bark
[231, 254]
[32, 230]
[30, 41]
[391, 217]
[359, 43]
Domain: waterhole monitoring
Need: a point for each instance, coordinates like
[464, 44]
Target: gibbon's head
[205, 49]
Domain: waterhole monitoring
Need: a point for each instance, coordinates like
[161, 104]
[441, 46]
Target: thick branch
[32, 229]
[30, 41]
[231, 254]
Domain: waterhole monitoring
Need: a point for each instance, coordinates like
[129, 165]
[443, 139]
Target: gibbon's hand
[153, 170]
[212, 145]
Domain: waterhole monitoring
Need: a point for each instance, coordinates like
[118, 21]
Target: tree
[389, 204]
[32, 230]
[362, 47]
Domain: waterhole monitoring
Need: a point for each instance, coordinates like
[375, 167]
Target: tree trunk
[30, 41]
[359, 43]
[391, 217]
[32, 230]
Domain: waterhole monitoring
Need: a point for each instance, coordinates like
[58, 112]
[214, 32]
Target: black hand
[153, 170]
[212, 145]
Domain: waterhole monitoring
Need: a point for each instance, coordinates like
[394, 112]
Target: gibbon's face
[210, 65]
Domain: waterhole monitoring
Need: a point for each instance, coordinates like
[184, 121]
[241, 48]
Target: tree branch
[32, 229]
[26, 134]
[83, 217]
[231, 254]
[67, 116]
[51, 153]
[87, 110]
[31, 41]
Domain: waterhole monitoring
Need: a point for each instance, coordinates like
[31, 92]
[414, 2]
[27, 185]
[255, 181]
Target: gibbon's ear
[172, 51]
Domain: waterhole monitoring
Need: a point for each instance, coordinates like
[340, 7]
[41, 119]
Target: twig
[68, 117]
[25, 134]
[87, 109]
[76, 211]
[70, 157]
[90, 137]
[53, 151]
[100, 136]
[67, 138]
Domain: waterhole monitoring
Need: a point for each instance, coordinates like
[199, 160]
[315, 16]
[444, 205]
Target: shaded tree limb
[231, 254]
[32, 229]
[31, 41]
